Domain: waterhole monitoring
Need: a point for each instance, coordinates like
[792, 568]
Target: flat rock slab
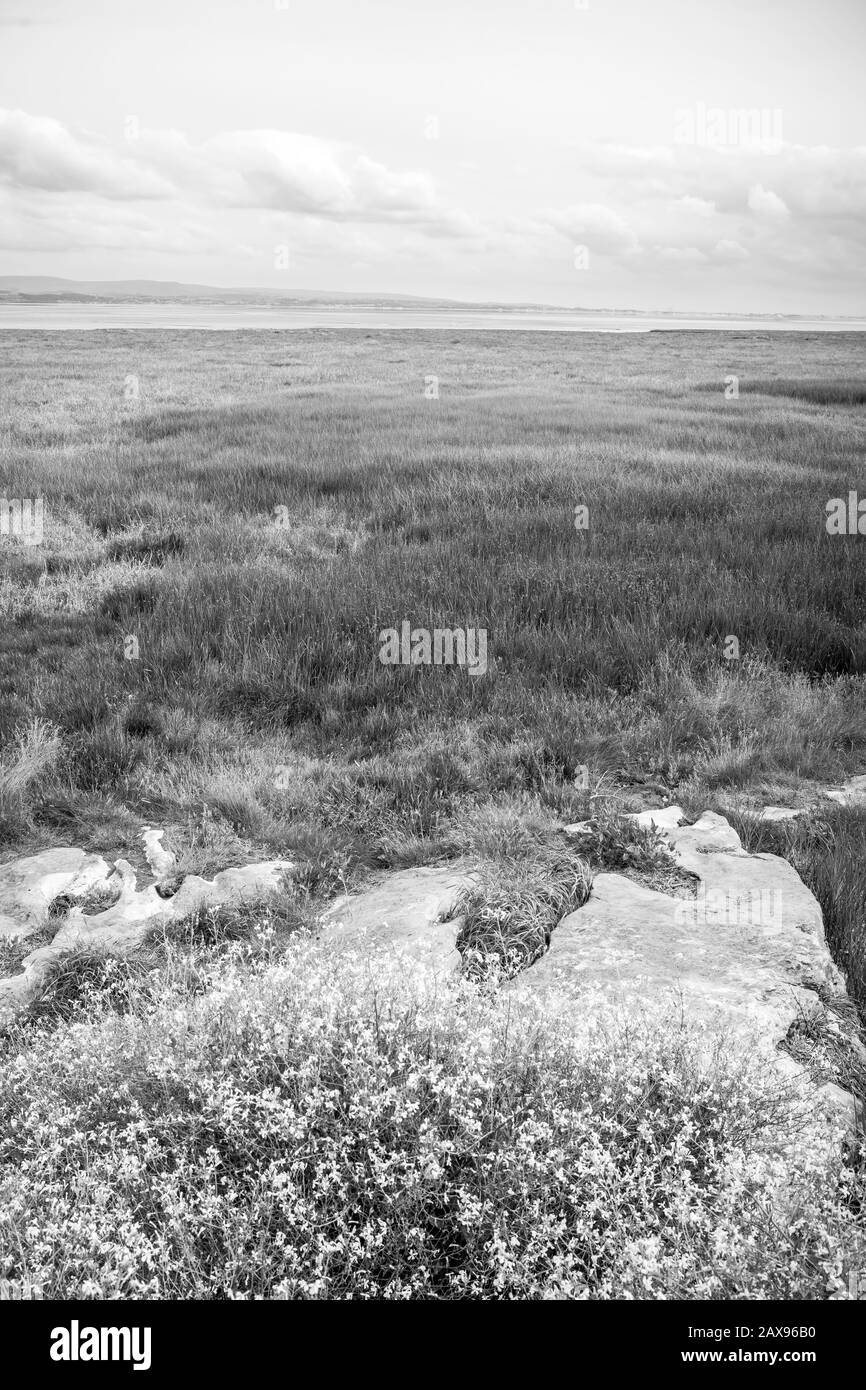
[747, 953]
[405, 911]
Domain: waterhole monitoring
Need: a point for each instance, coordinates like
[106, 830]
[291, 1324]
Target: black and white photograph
[432, 674]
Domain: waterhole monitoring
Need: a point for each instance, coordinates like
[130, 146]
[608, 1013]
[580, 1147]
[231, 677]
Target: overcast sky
[516, 150]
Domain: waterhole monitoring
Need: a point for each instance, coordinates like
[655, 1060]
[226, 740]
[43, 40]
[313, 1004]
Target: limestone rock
[659, 818]
[850, 793]
[161, 861]
[746, 954]
[580, 829]
[29, 886]
[406, 911]
[246, 884]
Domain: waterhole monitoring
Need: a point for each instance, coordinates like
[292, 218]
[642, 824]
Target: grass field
[230, 522]
[253, 509]
[257, 628]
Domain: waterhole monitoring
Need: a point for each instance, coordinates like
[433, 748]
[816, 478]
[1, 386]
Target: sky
[694, 155]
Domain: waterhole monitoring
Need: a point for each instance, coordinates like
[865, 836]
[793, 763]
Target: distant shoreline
[52, 317]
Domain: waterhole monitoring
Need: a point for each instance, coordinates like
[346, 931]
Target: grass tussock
[510, 912]
[307, 1127]
[26, 764]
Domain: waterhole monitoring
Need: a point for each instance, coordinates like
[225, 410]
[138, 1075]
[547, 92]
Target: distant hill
[53, 288]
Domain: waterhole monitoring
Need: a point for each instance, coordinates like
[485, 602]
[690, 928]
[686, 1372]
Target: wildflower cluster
[327, 1125]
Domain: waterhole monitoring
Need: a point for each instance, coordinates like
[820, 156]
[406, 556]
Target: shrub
[330, 1127]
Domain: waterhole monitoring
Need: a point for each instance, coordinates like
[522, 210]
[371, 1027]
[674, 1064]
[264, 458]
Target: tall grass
[25, 764]
[274, 500]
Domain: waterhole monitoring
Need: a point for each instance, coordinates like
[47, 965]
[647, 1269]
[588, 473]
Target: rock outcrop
[743, 952]
[746, 954]
[408, 911]
[28, 887]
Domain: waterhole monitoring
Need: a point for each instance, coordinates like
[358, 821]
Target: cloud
[777, 207]
[729, 251]
[593, 225]
[268, 170]
[682, 255]
[29, 222]
[766, 203]
[780, 213]
[38, 152]
[816, 180]
[697, 207]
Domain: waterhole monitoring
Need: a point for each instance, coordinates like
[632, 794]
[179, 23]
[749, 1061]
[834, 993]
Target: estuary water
[245, 316]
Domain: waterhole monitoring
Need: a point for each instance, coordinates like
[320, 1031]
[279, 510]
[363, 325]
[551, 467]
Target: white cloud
[600, 228]
[682, 255]
[766, 203]
[274, 170]
[652, 210]
[38, 152]
[725, 250]
[716, 209]
[696, 207]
